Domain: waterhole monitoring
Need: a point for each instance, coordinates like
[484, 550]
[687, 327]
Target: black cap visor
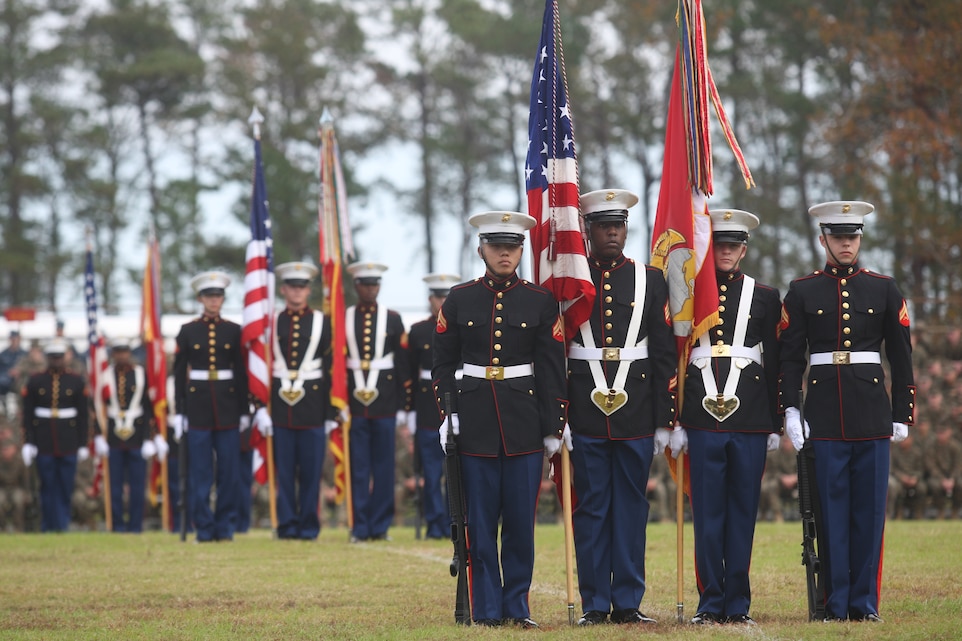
[842, 229]
[502, 238]
[740, 237]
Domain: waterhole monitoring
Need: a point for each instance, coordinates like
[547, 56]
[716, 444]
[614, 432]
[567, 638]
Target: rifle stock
[459, 529]
[182, 454]
[808, 507]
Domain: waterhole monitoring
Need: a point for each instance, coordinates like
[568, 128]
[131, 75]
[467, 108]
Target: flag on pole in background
[258, 316]
[156, 364]
[97, 361]
[551, 179]
[336, 248]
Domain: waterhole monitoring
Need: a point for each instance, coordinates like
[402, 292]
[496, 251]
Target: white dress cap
[362, 270]
[607, 204]
[214, 280]
[296, 271]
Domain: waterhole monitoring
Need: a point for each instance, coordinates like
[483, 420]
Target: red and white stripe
[258, 308]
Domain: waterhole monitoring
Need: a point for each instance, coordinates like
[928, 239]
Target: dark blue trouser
[57, 474]
[210, 450]
[372, 475]
[726, 480]
[298, 461]
[127, 467]
[852, 481]
[505, 488]
[245, 480]
[610, 479]
[434, 505]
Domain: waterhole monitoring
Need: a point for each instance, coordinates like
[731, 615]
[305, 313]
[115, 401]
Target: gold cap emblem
[506, 218]
[846, 208]
[610, 195]
[728, 215]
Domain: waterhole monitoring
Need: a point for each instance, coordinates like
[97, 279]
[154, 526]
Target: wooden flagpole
[569, 531]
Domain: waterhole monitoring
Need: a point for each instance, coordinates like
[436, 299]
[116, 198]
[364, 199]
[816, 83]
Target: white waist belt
[47, 412]
[306, 375]
[385, 362]
[726, 351]
[845, 358]
[133, 413]
[211, 374]
[579, 353]
[498, 373]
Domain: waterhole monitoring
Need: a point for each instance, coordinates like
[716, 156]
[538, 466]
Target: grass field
[100, 586]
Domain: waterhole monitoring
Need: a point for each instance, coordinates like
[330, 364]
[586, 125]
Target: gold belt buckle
[494, 373]
[121, 415]
[292, 375]
[720, 351]
[212, 375]
[841, 358]
[365, 365]
[611, 353]
[54, 412]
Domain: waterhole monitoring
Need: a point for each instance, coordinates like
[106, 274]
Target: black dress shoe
[488, 623]
[356, 539]
[831, 619]
[630, 616]
[742, 619]
[381, 537]
[706, 618]
[525, 623]
[871, 617]
[593, 617]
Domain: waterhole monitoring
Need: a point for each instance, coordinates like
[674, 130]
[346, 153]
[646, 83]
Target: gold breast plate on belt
[291, 396]
[609, 401]
[365, 396]
[720, 406]
[121, 429]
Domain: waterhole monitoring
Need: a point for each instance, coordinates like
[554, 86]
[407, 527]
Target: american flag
[97, 349]
[551, 177]
[258, 317]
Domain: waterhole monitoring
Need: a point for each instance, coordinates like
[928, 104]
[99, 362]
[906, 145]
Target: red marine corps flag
[336, 247]
[681, 239]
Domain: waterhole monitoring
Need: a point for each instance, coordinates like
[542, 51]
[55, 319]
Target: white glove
[148, 449]
[244, 423]
[773, 441]
[162, 448]
[83, 454]
[412, 422]
[443, 430]
[662, 436]
[401, 418]
[552, 445]
[100, 446]
[29, 453]
[345, 414]
[179, 424]
[263, 422]
[330, 426]
[899, 432]
[566, 437]
[678, 441]
[794, 429]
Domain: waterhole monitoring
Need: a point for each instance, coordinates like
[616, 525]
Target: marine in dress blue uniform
[730, 418]
[423, 413]
[377, 384]
[509, 406]
[54, 432]
[130, 440]
[301, 411]
[835, 321]
[620, 367]
[210, 382]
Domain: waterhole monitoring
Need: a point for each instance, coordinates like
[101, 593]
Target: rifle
[810, 510]
[31, 513]
[418, 491]
[459, 525]
[182, 454]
